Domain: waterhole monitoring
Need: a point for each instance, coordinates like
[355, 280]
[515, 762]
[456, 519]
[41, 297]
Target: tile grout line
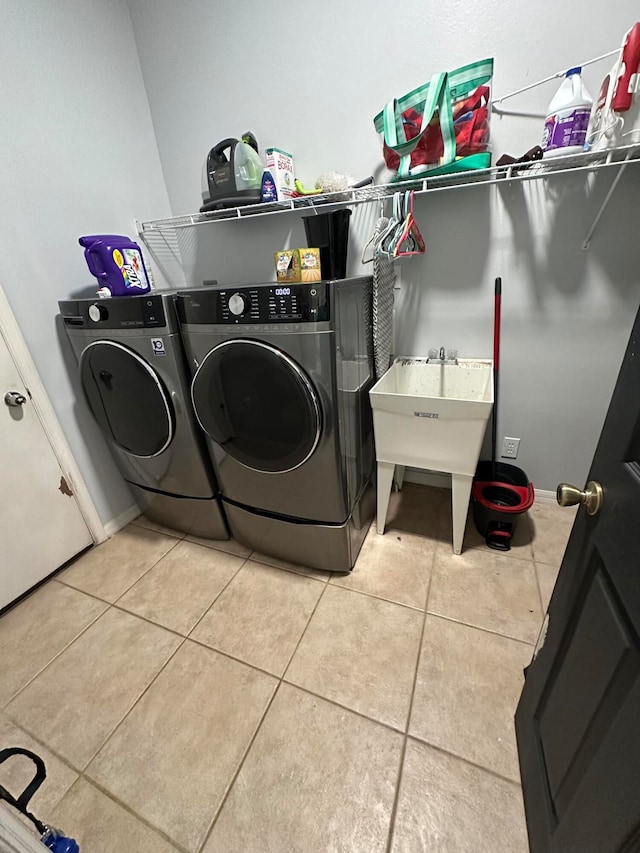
[203, 542]
[464, 759]
[396, 797]
[313, 613]
[191, 639]
[55, 657]
[479, 628]
[542, 608]
[336, 704]
[116, 604]
[67, 763]
[173, 534]
[377, 597]
[135, 702]
[125, 807]
[231, 657]
[81, 771]
[231, 579]
[259, 726]
[235, 775]
[144, 574]
[329, 572]
[82, 775]
[109, 606]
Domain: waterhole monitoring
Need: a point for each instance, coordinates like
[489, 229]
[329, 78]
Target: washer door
[127, 398]
[258, 405]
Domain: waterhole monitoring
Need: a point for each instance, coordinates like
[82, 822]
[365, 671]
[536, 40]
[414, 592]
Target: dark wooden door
[578, 720]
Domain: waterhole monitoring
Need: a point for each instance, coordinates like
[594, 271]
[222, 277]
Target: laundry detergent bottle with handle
[565, 128]
[117, 263]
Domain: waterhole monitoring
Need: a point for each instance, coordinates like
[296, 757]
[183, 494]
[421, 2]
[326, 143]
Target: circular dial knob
[98, 312]
[238, 304]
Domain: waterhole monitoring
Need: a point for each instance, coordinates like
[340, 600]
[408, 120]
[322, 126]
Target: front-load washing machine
[281, 375]
[133, 373]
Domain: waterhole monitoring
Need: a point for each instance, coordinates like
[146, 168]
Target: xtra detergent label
[132, 269]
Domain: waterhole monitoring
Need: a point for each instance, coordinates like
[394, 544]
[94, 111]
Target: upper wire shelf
[537, 170]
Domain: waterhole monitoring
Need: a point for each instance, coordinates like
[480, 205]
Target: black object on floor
[51, 838]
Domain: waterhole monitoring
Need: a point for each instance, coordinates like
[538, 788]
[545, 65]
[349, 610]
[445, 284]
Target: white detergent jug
[565, 128]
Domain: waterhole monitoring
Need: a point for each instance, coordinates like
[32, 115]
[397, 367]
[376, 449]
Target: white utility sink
[434, 416]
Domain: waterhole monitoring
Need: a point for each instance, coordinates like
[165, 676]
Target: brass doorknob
[590, 498]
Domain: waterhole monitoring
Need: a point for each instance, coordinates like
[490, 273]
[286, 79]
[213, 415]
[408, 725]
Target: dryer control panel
[264, 303]
[130, 312]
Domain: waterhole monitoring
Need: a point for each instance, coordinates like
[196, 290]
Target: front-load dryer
[281, 375]
[134, 378]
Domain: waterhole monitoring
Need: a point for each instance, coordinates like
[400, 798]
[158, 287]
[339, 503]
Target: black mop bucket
[501, 493]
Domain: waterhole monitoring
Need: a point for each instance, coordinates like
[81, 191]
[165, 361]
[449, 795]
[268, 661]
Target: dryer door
[258, 404]
[127, 398]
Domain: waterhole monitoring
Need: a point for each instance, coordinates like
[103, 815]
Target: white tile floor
[188, 695]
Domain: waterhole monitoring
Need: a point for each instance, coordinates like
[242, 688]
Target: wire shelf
[538, 170]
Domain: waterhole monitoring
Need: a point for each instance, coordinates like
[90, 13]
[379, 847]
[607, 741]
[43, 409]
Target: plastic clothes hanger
[380, 226]
[389, 232]
[400, 227]
[399, 233]
[411, 241]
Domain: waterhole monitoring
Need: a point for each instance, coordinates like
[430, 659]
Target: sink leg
[399, 477]
[385, 481]
[460, 494]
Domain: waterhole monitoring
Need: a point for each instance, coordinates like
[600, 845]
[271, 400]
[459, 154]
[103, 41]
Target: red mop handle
[496, 324]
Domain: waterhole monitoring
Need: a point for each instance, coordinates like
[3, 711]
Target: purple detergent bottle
[117, 263]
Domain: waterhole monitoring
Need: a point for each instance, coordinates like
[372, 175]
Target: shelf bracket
[603, 206]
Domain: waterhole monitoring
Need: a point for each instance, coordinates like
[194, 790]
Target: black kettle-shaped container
[232, 174]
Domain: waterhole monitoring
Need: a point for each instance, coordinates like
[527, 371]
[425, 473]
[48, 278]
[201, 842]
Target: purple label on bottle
[565, 130]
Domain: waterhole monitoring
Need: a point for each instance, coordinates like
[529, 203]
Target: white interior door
[41, 525]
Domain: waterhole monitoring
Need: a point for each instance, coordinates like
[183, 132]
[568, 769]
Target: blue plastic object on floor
[59, 843]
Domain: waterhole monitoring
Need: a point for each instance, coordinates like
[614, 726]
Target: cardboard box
[298, 265]
[280, 164]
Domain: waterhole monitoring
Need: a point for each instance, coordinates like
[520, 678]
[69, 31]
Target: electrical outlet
[510, 447]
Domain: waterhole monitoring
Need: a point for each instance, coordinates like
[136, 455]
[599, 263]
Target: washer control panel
[128, 312]
[259, 304]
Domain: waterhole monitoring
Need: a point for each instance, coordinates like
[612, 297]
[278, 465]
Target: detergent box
[280, 164]
[298, 265]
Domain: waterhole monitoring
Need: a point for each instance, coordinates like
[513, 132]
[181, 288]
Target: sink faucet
[450, 357]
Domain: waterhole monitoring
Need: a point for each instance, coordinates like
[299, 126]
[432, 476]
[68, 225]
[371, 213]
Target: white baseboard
[126, 517]
[440, 480]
